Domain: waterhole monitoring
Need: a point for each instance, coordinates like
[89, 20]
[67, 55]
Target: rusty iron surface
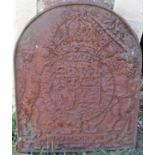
[77, 75]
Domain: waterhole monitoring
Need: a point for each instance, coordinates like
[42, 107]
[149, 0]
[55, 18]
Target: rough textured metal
[77, 72]
[45, 4]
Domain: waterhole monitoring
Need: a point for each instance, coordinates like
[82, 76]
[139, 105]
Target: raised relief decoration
[77, 72]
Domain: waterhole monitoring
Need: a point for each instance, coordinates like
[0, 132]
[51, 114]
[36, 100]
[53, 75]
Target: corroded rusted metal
[77, 72]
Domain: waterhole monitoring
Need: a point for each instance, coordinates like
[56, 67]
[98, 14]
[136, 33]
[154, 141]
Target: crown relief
[79, 32]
